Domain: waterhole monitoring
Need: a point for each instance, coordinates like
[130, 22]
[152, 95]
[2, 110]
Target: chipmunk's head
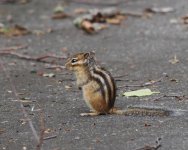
[80, 61]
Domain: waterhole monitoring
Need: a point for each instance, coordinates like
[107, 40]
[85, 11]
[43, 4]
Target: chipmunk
[99, 88]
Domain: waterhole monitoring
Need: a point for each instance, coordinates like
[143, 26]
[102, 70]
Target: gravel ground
[140, 48]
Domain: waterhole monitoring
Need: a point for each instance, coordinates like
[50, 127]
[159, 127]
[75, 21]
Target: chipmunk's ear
[86, 55]
[89, 54]
[92, 54]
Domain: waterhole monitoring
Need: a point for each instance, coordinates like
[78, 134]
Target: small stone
[114, 134]
[77, 138]
[24, 148]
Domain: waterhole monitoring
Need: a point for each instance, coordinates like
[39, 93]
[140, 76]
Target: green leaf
[142, 92]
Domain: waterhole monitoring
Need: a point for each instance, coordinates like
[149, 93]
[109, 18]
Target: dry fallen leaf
[174, 60]
[2, 130]
[105, 12]
[24, 1]
[58, 9]
[159, 10]
[60, 15]
[149, 12]
[87, 26]
[97, 19]
[48, 130]
[50, 75]
[147, 125]
[99, 26]
[121, 17]
[174, 80]
[185, 19]
[116, 19]
[80, 10]
[17, 30]
[38, 32]
[59, 12]
[67, 87]
[113, 21]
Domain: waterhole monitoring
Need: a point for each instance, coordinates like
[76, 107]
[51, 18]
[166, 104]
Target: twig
[120, 76]
[86, 2]
[21, 104]
[179, 97]
[51, 66]
[132, 14]
[50, 56]
[150, 147]
[42, 130]
[134, 85]
[38, 59]
[50, 137]
[13, 48]
[147, 147]
[122, 80]
[144, 84]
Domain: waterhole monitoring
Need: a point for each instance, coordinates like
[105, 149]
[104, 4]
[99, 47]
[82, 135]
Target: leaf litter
[50, 75]
[59, 12]
[174, 60]
[16, 30]
[112, 15]
[160, 10]
[98, 19]
[185, 19]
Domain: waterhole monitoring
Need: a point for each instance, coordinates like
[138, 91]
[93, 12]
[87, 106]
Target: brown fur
[94, 98]
[93, 90]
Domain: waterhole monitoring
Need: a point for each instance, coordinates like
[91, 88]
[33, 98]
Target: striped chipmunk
[99, 88]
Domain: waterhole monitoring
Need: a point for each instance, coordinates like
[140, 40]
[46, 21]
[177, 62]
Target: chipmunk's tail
[146, 111]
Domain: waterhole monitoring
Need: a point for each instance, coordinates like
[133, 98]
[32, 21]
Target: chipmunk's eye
[74, 60]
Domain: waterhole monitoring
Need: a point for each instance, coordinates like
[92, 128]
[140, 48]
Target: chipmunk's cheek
[70, 68]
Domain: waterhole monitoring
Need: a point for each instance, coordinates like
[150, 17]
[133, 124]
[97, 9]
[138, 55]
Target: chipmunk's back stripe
[111, 84]
[97, 75]
[106, 85]
[111, 104]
